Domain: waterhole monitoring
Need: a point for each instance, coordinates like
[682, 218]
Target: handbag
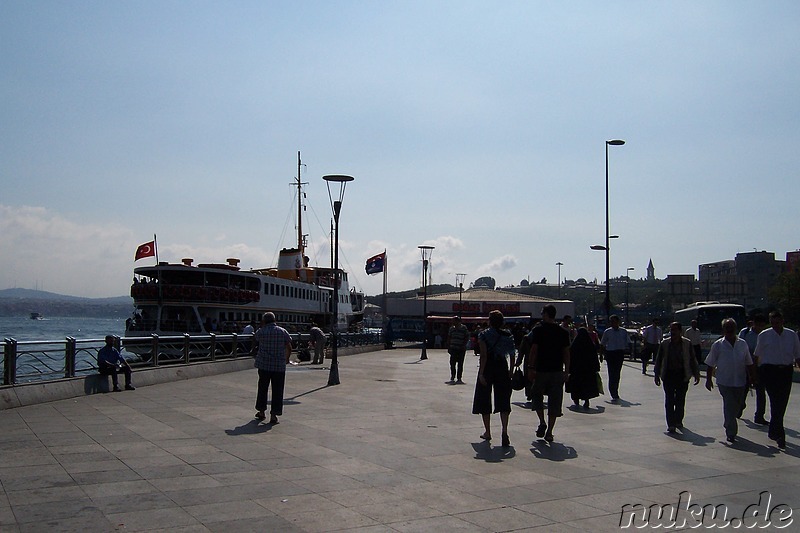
[518, 379]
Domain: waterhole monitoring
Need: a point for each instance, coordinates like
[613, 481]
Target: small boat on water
[173, 299]
[36, 316]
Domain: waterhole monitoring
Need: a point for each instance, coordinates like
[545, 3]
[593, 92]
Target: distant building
[745, 279]
[651, 271]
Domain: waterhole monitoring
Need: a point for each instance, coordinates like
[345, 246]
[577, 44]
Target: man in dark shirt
[109, 361]
[457, 338]
[548, 367]
[675, 366]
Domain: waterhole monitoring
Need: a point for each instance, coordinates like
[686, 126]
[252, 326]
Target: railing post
[234, 348]
[213, 347]
[69, 358]
[155, 348]
[9, 361]
[186, 339]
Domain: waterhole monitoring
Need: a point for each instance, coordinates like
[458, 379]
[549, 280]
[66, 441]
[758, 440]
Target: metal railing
[30, 361]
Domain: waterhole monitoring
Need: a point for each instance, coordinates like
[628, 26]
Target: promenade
[393, 448]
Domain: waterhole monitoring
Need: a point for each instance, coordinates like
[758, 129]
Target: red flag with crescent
[147, 249]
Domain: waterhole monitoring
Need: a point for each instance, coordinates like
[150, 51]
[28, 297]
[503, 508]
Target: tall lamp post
[460, 284]
[628, 296]
[607, 303]
[559, 264]
[336, 206]
[426, 252]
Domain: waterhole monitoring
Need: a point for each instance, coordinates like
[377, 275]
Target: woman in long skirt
[583, 369]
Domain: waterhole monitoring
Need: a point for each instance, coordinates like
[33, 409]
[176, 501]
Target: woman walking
[583, 368]
[496, 346]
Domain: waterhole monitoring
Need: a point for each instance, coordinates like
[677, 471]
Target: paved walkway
[393, 448]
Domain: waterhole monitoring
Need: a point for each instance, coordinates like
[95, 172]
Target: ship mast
[299, 184]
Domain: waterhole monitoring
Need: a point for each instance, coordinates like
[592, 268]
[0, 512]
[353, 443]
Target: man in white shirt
[693, 334]
[729, 360]
[614, 342]
[652, 337]
[778, 350]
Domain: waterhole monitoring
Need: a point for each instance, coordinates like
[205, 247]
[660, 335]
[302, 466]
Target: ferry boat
[173, 299]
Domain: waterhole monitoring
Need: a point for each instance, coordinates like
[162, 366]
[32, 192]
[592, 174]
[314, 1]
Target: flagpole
[385, 266]
[155, 245]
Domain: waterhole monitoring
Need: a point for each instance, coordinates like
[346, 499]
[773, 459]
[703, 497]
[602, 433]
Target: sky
[478, 128]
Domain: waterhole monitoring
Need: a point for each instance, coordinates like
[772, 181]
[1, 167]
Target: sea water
[59, 328]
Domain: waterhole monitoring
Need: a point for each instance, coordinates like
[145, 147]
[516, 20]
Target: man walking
[614, 342]
[652, 336]
[695, 337]
[777, 350]
[730, 362]
[750, 336]
[274, 349]
[457, 337]
[548, 369]
[675, 366]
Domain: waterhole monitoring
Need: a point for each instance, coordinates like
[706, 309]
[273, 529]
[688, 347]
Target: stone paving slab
[393, 448]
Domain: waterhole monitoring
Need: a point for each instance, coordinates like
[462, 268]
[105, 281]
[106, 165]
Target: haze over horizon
[478, 128]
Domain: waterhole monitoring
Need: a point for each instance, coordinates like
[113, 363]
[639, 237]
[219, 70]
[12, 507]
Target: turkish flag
[147, 249]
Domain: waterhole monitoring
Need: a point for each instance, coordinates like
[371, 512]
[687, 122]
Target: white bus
[709, 316]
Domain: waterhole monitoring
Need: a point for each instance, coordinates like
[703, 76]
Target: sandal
[540, 431]
[273, 419]
[486, 437]
[549, 437]
[260, 415]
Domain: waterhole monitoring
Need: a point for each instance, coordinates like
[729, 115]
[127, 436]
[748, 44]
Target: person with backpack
[496, 347]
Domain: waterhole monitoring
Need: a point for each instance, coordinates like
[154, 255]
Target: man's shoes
[273, 419]
[451, 382]
[548, 437]
[760, 421]
[541, 430]
[782, 443]
[586, 404]
[615, 399]
[731, 439]
[671, 430]
[459, 382]
[130, 387]
[506, 441]
[117, 389]
[260, 415]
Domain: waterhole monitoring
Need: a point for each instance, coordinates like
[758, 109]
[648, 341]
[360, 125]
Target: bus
[709, 316]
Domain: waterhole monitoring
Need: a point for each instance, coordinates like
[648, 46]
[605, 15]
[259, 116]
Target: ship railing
[46, 360]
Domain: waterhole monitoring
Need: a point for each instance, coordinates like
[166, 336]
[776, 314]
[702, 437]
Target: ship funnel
[187, 261]
[232, 261]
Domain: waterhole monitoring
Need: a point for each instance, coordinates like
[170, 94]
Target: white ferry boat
[173, 299]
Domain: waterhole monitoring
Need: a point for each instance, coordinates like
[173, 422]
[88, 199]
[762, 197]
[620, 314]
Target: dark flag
[375, 264]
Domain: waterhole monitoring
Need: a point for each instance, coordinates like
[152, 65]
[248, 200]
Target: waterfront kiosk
[405, 315]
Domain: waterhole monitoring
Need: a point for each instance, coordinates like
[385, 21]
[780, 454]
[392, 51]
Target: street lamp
[460, 284]
[426, 252]
[559, 264]
[336, 206]
[607, 303]
[627, 296]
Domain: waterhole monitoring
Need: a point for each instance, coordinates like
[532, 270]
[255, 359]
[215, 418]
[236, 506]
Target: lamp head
[615, 142]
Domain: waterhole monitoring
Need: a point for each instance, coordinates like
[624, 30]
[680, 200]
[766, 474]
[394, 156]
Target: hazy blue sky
[477, 127]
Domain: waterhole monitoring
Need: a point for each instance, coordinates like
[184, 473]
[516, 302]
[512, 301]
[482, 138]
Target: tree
[485, 281]
[785, 295]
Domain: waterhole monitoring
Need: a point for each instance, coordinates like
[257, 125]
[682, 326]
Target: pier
[392, 448]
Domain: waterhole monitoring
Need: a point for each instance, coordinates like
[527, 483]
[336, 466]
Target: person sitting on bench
[109, 361]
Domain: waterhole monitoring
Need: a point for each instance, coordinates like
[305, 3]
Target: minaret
[651, 271]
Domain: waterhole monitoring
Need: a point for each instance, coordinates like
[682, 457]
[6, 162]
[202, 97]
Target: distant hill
[23, 302]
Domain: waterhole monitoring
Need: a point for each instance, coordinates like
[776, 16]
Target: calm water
[58, 328]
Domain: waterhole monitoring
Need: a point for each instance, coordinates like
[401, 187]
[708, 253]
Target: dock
[393, 448]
